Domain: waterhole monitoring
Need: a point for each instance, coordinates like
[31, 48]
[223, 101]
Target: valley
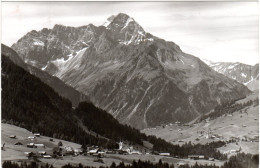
[240, 126]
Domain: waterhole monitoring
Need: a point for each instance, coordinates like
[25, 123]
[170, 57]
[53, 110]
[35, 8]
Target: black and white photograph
[130, 84]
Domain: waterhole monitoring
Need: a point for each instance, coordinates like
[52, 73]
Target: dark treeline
[106, 125]
[241, 160]
[10, 164]
[229, 108]
[29, 103]
[209, 149]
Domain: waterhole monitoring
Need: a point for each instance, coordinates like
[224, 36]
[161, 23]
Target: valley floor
[16, 152]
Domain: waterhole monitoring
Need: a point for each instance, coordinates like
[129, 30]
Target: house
[31, 137]
[37, 134]
[12, 136]
[39, 145]
[196, 157]
[30, 145]
[42, 152]
[18, 143]
[211, 159]
[28, 153]
[164, 154]
[46, 156]
[92, 151]
[181, 163]
[177, 123]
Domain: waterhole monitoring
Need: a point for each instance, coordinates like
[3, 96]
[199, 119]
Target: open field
[14, 152]
[239, 125]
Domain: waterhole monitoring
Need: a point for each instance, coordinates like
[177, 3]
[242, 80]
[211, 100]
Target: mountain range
[140, 79]
[243, 73]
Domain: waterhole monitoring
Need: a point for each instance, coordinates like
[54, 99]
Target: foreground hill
[243, 73]
[140, 79]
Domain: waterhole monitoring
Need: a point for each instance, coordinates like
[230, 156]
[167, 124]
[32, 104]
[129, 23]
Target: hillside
[31, 104]
[59, 86]
[241, 124]
[140, 79]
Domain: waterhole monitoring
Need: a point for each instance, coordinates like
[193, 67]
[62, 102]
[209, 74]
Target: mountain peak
[120, 19]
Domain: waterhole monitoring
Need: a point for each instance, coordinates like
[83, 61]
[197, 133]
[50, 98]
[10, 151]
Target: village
[34, 146]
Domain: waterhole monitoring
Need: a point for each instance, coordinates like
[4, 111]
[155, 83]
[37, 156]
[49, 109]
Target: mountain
[59, 86]
[140, 79]
[243, 73]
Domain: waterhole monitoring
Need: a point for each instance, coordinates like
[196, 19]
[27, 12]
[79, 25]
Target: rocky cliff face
[243, 73]
[59, 86]
[141, 79]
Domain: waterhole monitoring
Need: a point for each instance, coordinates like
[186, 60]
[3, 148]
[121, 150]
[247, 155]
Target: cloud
[219, 31]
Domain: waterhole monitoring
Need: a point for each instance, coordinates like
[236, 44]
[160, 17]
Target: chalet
[91, 152]
[181, 163]
[31, 137]
[177, 123]
[42, 152]
[28, 153]
[136, 152]
[46, 156]
[211, 159]
[18, 143]
[164, 154]
[39, 145]
[30, 145]
[37, 134]
[12, 136]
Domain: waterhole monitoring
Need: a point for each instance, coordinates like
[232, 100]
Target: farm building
[196, 157]
[42, 152]
[39, 145]
[30, 145]
[46, 156]
[18, 143]
[37, 134]
[31, 137]
[164, 154]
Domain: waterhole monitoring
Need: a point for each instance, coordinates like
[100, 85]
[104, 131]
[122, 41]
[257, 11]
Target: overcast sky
[217, 31]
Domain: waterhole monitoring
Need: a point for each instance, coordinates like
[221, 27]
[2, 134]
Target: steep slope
[29, 103]
[141, 79]
[243, 73]
[59, 86]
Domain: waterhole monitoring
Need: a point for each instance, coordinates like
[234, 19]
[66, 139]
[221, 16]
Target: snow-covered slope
[139, 78]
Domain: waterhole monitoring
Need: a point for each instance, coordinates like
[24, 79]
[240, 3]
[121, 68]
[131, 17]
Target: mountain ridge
[243, 73]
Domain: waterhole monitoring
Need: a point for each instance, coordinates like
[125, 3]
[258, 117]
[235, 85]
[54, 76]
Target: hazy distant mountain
[59, 86]
[139, 78]
[243, 73]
